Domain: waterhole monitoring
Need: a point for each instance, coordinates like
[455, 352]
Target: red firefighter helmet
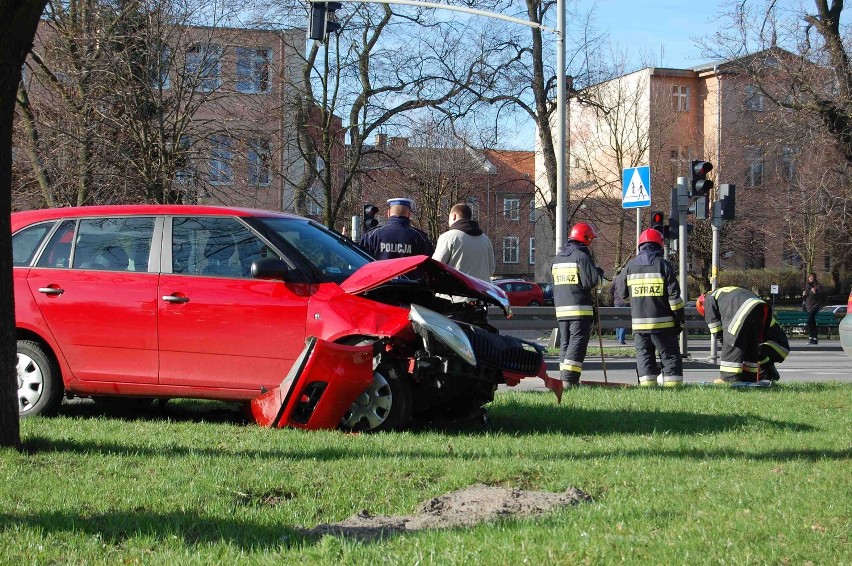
[699, 305]
[651, 235]
[583, 232]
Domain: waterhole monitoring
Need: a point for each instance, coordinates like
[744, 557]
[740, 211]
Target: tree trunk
[18, 20]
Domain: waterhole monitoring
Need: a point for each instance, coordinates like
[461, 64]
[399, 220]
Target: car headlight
[444, 330]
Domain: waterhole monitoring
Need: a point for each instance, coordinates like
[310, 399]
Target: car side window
[215, 246]
[57, 253]
[114, 244]
[25, 243]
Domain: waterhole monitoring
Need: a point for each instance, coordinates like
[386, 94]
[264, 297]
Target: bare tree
[363, 75]
[797, 62]
[18, 21]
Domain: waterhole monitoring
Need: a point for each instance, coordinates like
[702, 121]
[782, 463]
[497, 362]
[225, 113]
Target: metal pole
[682, 207]
[714, 271]
[356, 228]
[638, 228]
[561, 123]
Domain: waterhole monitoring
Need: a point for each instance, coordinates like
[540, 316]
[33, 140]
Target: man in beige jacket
[465, 246]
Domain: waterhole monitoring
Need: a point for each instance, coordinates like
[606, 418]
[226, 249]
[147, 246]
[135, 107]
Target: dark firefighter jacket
[649, 282]
[731, 305]
[574, 277]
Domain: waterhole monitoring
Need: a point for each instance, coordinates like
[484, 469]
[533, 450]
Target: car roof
[31, 216]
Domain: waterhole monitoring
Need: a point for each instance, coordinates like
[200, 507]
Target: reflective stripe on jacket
[574, 277]
[731, 306]
[649, 282]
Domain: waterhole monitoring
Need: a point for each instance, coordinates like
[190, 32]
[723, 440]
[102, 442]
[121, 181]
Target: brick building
[218, 127]
[667, 117]
[496, 184]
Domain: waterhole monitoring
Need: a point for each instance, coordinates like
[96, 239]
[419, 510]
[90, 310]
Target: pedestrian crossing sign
[636, 189]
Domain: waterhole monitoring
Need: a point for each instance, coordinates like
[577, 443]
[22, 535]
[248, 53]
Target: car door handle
[51, 290]
[175, 299]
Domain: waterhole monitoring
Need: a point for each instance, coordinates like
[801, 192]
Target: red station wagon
[521, 293]
[154, 301]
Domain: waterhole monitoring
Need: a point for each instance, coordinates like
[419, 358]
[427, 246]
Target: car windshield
[335, 257]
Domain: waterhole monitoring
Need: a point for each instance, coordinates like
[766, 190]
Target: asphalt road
[806, 363]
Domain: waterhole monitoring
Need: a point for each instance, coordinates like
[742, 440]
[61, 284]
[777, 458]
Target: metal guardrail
[544, 318]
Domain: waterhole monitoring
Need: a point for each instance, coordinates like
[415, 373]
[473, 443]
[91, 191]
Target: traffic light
[700, 185]
[671, 231]
[657, 219]
[727, 201]
[322, 20]
[700, 208]
[370, 221]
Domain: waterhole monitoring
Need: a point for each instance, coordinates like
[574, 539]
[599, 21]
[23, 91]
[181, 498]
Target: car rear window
[26, 242]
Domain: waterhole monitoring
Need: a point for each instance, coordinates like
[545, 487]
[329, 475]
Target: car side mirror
[270, 268]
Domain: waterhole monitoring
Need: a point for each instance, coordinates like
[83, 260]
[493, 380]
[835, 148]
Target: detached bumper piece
[321, 386]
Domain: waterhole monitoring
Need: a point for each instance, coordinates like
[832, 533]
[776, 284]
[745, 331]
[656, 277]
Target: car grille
[505, 352]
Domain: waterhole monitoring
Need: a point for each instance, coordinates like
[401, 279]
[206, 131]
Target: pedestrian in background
[397, 238]
[575, 277]
[465, 246]
[617, 301]
[648, 281]
[812, 299]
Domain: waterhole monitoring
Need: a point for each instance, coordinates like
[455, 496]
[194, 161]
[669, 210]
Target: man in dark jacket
[752, 340]
[575, 277]
[649, 283]
[397, 238]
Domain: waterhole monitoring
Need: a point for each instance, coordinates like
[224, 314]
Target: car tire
[534, 303]
[384, 405]
[40, 385]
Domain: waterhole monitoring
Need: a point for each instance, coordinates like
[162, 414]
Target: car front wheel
[39, 381]
[384, 405]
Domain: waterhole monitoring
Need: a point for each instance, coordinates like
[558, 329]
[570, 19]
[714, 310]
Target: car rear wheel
[384, 405]
[534, 303]
[39, 381]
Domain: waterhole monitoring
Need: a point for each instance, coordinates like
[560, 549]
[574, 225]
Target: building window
[532, 210]
[788, 163]
[680, 98]
[258, 162]
[253, 70]
[160, 66]
[511, 249]
[532, 251]
[204, 66]
[679, 162]
[754, 166]
[754, 99]
[221, 160]
[314, 205]
[184, 171]
[511, 209]
[473, 203]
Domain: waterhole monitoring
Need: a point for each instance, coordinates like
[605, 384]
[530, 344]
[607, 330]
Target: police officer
[397, 238]
[752, 340]
[575, 276]
[656, 306]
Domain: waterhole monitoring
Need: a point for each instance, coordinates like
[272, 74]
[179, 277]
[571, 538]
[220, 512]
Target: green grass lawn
[691, 476]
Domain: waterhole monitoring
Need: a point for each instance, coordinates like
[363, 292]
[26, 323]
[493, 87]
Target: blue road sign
[636, 191]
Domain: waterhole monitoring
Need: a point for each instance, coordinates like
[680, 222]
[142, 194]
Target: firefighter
[752, 340]
[648, 281]
[575, 276]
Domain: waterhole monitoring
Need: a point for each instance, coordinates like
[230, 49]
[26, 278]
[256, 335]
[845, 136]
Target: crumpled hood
[441, 278]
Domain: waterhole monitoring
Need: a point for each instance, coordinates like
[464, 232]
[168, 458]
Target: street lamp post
[561, 227]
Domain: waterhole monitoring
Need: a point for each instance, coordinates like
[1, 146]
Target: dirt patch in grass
[464, 508]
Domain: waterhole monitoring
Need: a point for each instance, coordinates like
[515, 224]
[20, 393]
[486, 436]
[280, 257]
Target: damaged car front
[424, 324]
